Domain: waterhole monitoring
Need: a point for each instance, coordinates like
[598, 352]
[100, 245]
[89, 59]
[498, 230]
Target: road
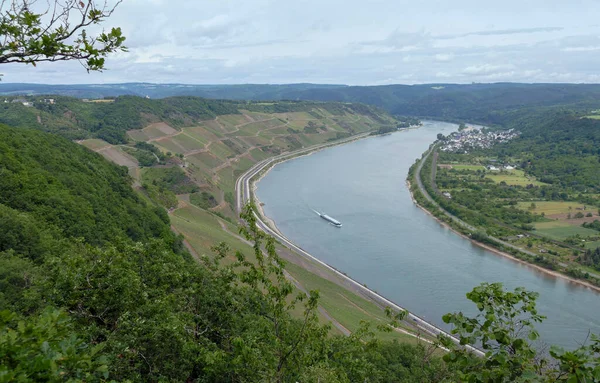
[243, 189]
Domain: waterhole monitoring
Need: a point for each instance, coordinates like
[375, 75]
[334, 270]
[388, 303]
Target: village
[471, 138]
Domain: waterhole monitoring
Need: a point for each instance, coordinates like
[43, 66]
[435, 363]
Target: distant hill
[457, 102]
[95, 91]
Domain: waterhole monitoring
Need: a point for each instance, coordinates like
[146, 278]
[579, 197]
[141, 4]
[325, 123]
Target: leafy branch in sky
[33, 32]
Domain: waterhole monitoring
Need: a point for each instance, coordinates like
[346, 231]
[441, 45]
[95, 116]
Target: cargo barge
[329, 219]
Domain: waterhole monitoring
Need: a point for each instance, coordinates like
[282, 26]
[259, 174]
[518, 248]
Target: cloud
[344, 41]
[444, 57]
[513, 31]
[486, 69]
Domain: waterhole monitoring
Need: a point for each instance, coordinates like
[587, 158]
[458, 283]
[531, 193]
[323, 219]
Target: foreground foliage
[504, 329]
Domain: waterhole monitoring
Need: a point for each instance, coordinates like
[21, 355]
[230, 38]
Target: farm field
[561, 230]
[462, 167]
[118, 156]
[205, 158]
[513, 177]
[159, 129]
[138, 135]
[170, 145]
[152, 132]
[199, 134]
[254, 128]
[551, 207]
[592, 244]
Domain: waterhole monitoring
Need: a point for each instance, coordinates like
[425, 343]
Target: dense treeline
[71, 190]
[111, 119]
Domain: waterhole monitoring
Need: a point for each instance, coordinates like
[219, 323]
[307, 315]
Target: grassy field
[138, 135]
[187, 142]
[203, 231]
[592, 245]
[551, 207]
[346, 307]
[513, 177]
[561, 230]
[169, 145]
[94, 143]
[465, 167]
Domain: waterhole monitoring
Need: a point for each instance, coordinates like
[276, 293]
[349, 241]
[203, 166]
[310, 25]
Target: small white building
[447, 195]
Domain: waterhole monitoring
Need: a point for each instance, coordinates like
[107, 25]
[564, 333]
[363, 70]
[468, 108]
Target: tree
[503, 330]
[533, 206]
[35, 31]
[45, 348]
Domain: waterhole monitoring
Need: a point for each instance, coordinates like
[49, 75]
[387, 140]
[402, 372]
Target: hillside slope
[109, 119]
[200, 163]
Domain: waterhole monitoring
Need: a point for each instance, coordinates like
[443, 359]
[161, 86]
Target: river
[394, 247]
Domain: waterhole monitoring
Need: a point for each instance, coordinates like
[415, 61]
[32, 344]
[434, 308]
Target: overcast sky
[358, 42]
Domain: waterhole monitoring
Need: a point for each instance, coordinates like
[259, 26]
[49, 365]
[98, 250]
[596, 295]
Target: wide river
[394, 247]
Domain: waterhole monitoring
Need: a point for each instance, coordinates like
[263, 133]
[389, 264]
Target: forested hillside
[71, 191]
[110, 119]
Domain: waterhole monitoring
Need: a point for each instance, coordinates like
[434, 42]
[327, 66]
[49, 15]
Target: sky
[355, 42]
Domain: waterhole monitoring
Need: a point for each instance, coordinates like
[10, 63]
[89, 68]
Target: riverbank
[254, 180]
[499, 252]
[253, 176]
